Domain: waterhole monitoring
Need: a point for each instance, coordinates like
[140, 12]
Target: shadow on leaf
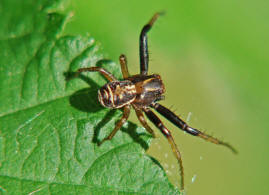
[131, 130]
[103, 61]
[86, 100]
[101, 124]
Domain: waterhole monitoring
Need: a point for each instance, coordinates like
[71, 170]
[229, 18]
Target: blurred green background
[213, 58]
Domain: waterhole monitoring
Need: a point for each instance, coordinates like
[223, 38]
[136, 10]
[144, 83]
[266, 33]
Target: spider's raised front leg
[125, 116]
[183, 125]
[143, 45]
[103, 71]
[158, 123]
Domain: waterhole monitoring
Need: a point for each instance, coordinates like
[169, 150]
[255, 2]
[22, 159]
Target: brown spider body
[142, 91]
[139, 90]
[117, 94]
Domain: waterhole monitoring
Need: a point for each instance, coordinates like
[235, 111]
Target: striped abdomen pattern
[117, 94]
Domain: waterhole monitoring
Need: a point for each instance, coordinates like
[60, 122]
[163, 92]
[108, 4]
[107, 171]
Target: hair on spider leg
[150, 57]
[175, 110]
[170, 107]
[149, 52]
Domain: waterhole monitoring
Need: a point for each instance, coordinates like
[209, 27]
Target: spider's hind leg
[168, 114]
[158, 123]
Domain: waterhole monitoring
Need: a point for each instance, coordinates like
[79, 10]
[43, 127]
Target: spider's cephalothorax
[142, 91]
[149, 89]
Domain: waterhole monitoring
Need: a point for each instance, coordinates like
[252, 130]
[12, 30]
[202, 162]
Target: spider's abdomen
[117, 94]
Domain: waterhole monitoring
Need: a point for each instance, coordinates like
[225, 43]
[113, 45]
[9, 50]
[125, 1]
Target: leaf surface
[50, 124]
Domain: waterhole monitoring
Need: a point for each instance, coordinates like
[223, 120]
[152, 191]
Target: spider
[142, 92]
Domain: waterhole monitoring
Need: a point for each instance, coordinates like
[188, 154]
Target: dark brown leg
[103, 71]
[143, 121]
[124, 68]
[158, 123]
[143, 45]
[182, 125]
[119, 124]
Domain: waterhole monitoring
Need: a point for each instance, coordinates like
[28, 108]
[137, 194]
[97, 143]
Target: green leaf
[49, 126]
